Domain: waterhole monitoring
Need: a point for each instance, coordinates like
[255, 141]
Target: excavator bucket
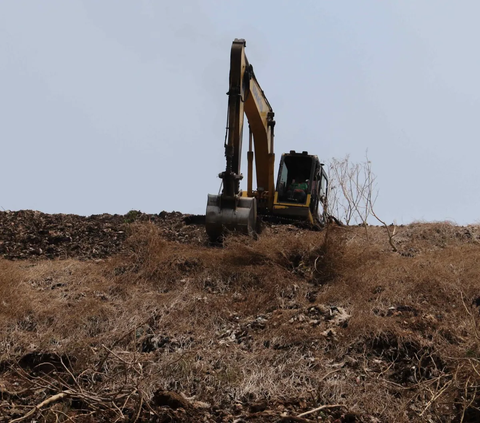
[220, 219]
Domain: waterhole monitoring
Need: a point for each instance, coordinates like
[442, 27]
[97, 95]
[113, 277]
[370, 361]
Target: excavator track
[281, 220]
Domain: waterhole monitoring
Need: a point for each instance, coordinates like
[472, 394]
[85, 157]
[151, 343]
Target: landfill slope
[139, 318]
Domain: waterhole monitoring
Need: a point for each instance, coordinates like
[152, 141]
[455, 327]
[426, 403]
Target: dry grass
[326, 318]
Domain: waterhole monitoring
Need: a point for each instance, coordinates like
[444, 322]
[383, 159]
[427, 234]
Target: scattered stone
[170, 399]
[258, 406]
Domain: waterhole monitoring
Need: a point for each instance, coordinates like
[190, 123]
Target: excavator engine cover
[241, 219]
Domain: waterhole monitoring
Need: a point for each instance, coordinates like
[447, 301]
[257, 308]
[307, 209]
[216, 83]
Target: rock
[258, 406]
[201, 405]
[339, 316]
[170, 399]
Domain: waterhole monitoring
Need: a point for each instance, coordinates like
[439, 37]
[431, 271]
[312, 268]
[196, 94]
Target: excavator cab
[301, 188]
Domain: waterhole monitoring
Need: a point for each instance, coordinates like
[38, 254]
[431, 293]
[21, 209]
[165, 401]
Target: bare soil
[137, 318]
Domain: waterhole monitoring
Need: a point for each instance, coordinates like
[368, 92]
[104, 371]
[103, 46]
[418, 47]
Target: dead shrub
[252, 321]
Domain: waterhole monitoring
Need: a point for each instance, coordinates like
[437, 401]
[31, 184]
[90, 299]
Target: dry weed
[326, 318]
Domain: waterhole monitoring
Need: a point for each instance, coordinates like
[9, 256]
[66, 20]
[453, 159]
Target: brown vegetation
[172, 329]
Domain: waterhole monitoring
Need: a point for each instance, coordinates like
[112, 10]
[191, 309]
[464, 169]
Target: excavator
[300, 192]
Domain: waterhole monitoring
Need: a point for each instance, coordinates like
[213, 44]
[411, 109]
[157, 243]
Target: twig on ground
[104, 359]
[322, 407]
[139, 409]
[53, 398]
[467, 406]
[132, 365]
[435, 397]
[328, 374]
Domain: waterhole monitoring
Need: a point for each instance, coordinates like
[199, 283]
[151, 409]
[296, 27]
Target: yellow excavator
[302, 181]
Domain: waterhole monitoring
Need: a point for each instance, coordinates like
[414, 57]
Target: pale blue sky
[108, 106]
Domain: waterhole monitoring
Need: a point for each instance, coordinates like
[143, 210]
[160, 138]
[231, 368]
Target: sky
[114, 105]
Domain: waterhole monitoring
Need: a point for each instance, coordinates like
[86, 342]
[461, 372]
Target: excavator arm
[233, 209]
[246, 97]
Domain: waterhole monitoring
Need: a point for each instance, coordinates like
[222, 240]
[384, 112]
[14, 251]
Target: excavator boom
[232, 209]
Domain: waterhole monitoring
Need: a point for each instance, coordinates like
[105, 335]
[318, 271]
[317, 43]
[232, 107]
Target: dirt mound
[297, 326]
[32, 234]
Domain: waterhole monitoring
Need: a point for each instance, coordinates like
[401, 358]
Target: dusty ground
[137, 318]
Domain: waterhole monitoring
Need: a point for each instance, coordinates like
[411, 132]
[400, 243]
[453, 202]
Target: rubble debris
[28, 234]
